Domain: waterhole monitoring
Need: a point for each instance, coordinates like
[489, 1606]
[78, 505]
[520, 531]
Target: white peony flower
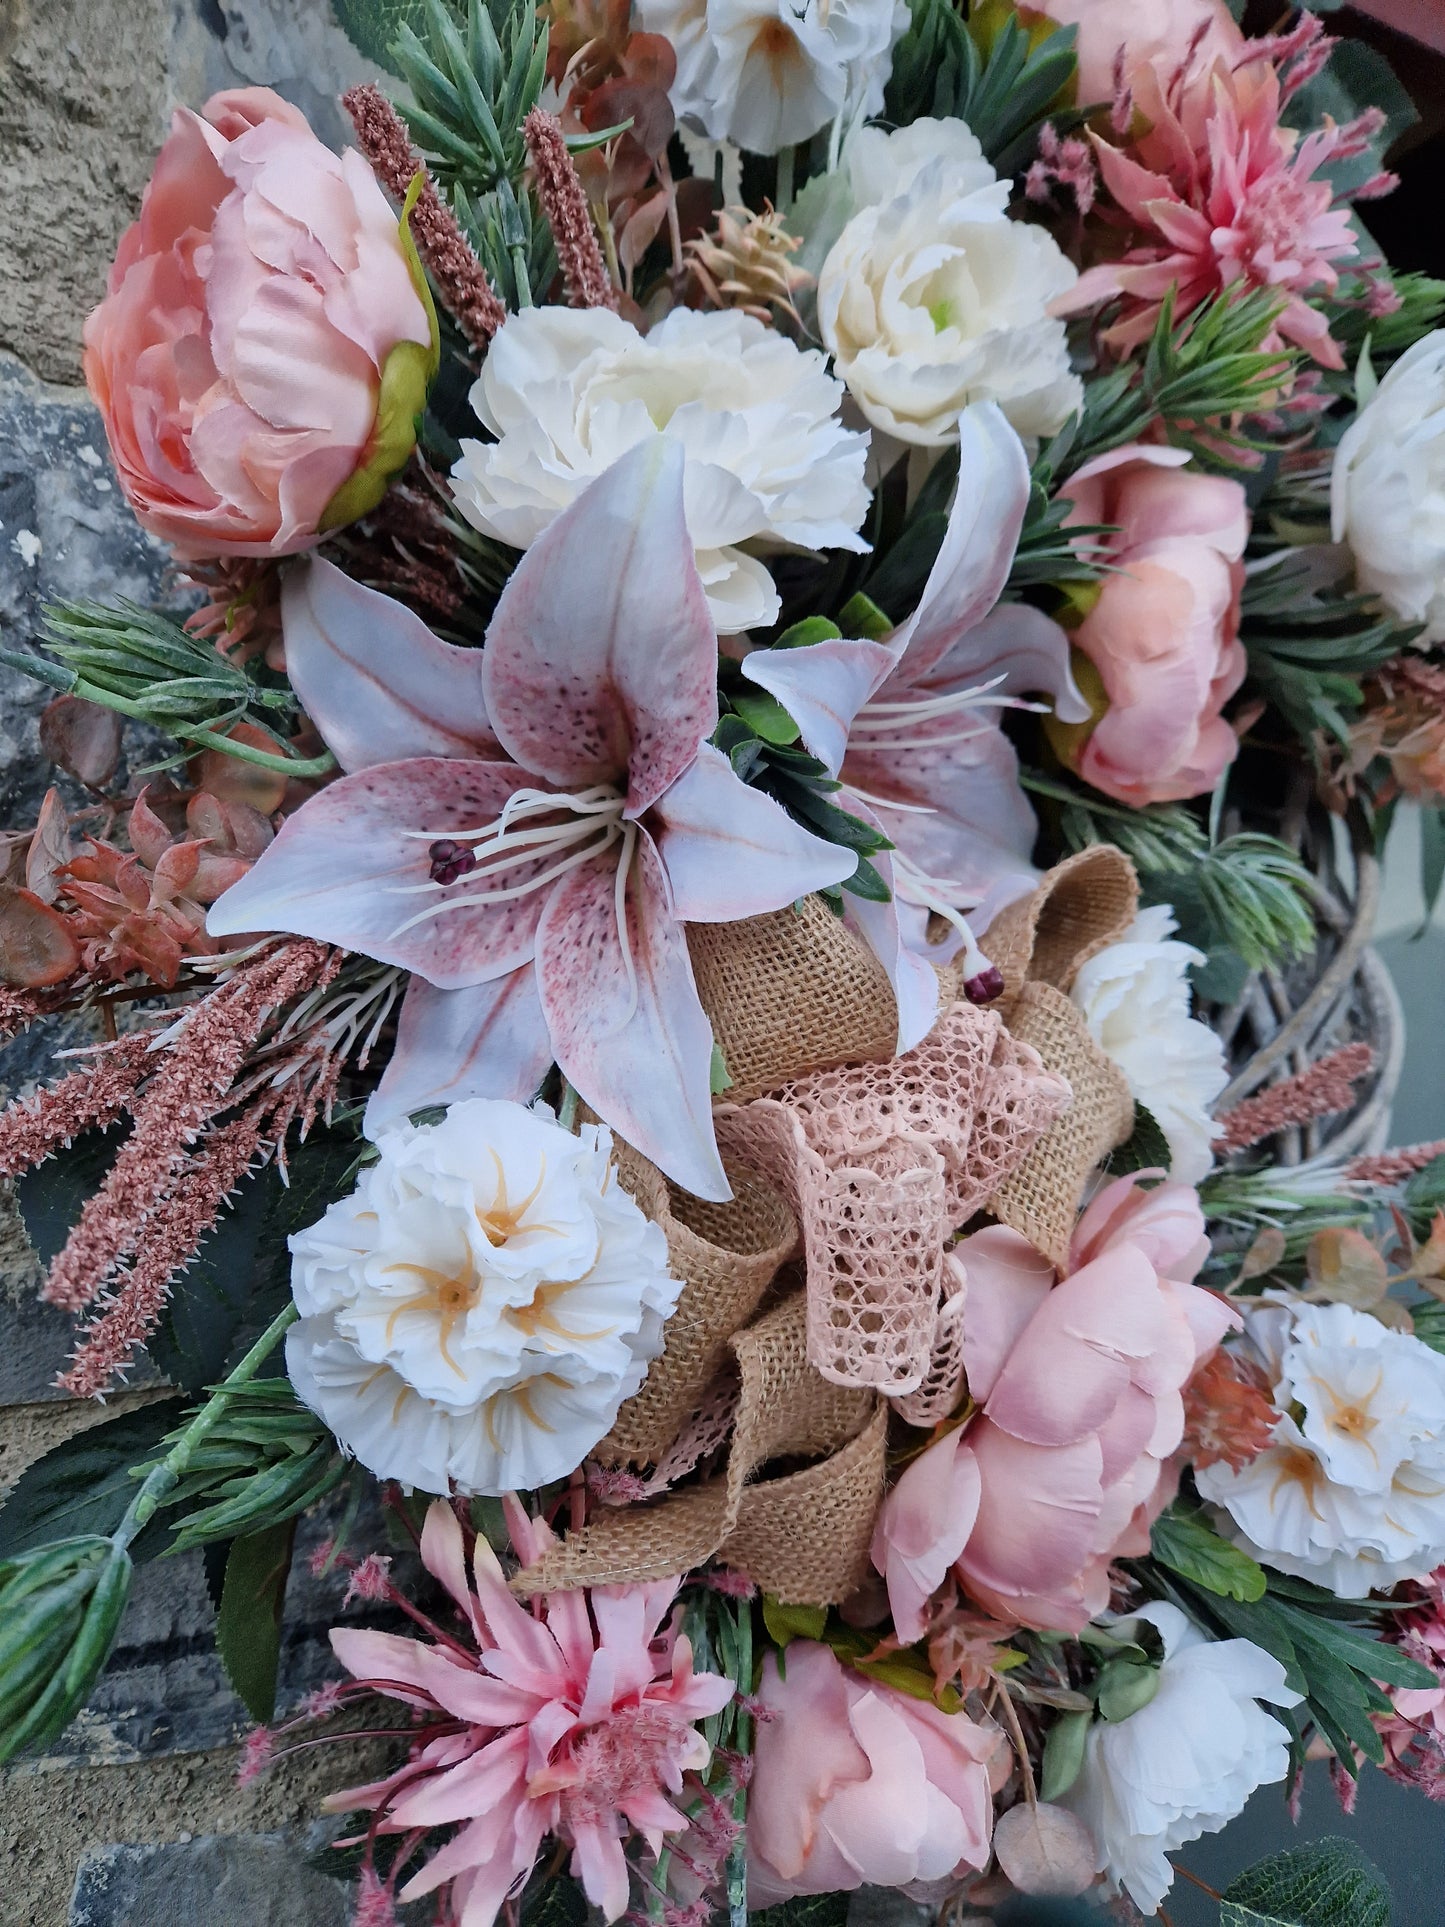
[480, 1306]
[1136, 998]
[769, 73]
[568, 391]
[1351, 1492]
[1387, 493]
[1186, 1763]
[932, 298]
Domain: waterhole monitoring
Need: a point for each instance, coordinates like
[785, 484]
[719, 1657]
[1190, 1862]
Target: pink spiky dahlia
[1218, 196]
[575, 1719]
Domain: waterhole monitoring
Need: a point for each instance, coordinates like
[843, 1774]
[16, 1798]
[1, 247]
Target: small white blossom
[568, 391]
[480, 1306]
[1187, 1762]
[1350, 1493]
[1387, 493]
[1136, 998]
[769, 73]
[932, 298]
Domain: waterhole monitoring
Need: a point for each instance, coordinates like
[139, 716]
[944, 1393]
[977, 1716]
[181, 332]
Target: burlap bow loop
[1039, 943]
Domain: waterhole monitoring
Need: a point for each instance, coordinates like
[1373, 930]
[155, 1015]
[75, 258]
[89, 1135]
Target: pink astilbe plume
[1214, 196]
[574, 1720]
[1320, 1090]
[32, 1128]
[1394, 1167]
[560, 191]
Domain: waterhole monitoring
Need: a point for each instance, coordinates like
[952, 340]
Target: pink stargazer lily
[911, 725]
[527, 828]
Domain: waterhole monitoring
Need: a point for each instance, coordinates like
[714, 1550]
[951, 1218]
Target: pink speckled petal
[822, 686]
[489, 1040]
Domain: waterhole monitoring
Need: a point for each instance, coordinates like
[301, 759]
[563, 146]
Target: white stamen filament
[475, 899]
[881, 720]
[914, 885]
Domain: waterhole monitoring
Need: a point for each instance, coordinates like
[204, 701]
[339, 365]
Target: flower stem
[166, 1474]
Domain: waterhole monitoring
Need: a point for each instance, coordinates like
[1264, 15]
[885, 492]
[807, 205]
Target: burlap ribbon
[1080, 907]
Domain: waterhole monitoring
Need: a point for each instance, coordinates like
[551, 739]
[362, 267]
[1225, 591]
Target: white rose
[769, 73]
[1186, 1763]
[568, 391]
[480, 1306]
[934, 298]
[1387, 492]
[1351, 1494]
[1136, 998]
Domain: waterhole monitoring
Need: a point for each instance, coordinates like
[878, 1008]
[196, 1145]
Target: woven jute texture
[880, 1162]
[803, 1535]
[726, 1256]
[1081, 905]
[790, 993]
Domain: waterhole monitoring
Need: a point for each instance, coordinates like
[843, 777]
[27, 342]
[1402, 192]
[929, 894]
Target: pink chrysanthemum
[1219, 196]
[575, 1719]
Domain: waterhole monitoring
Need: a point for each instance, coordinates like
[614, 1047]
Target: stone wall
[134, 1819]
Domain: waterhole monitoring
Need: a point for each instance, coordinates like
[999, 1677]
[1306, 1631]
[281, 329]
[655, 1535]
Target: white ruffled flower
[568, 391]
[769, 73]
[1387, 494]
[1136, 998]
[1350, 1495]
[1186, 1763]
[932, 298]
[480, 1306]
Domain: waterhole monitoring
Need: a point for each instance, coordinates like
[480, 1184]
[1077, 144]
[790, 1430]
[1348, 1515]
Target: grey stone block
[237, 1880]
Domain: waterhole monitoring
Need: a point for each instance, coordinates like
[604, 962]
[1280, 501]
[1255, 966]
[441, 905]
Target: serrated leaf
[372, 25]
[807, 1910]
[556, 1902]
[84, 1484]
[1145, 1149]
[1329, 1883]
[248, 1626]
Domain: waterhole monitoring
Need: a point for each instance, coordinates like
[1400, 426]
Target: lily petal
[731, 852]
[489, 1040]
[347, 867]
[1022, 645]
[601, 659]
[640, 1057]
[823, 686]
[374, 679]
[978, 545]
[896, 933]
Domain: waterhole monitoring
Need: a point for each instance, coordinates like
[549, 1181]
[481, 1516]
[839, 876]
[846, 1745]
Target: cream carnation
[1187, 1762]
[568, 391]
[1388, 488]
[883, 164]
[933, 298]
[769, 73]
[1135, 996]
[480, 1306]
[1350, 1493]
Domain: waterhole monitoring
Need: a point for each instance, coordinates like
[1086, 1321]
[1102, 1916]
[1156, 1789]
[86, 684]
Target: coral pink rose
[856, 1785]
[1080, 1388]
[1117, 37]
[1163, 636]
[266, 340]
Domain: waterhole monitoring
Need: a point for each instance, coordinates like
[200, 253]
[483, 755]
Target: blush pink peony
[1117, 37]
[1163, 636]
[1079, 1386]
[266, 340]
[857, 1785]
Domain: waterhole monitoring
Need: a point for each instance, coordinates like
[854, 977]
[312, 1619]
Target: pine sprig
[152, 670]
[1422, 307]
[1002, 78]
[1200, 378]
[472, 88]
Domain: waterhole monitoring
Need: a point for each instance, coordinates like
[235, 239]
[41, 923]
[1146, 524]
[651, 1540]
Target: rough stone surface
[252, 1877]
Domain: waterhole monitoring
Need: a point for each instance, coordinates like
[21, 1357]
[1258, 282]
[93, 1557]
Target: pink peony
[1163, 635]
[1214, 194]
[857, 1785]
[266, 340]
[578, 1724]
[1080, 1389]
[1117, 37]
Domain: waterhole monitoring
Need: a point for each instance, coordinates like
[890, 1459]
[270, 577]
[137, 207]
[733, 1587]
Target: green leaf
[1185, 1542]
[372, 25]
[248, 1626]
[1124, 1687]
[801, 635]
[1145, 1149]
[861, 616]
[719, 1079]
[1329, 1883]
[765, 716]
[1064, 1753]
[807, 1910]
[1432, 858]
[84, 1484]
[1425, 1189]
[555, 1901]
[787, 1623]
[50, 1195]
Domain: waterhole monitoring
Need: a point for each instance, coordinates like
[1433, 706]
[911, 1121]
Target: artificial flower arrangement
[774, 610]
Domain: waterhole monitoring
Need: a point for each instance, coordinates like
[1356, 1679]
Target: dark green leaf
[808, 1910]
[248, 1626]
[1425, 1190]
[50, 1195]
[1329, 1883]
[554, 1901]
[84, 1484]
[1145, 1149]
[1432, 858]
[372, 25]
[1185, 1542]
[765, 716]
